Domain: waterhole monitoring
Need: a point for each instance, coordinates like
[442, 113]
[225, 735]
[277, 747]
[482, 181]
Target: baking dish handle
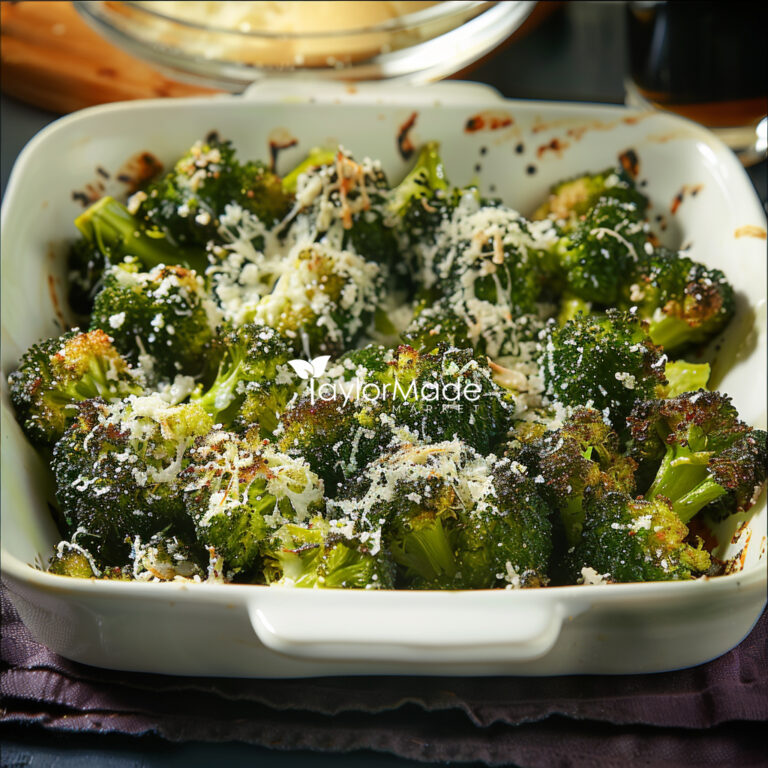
[460, 627]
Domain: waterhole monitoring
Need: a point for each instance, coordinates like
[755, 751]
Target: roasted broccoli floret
[324, 301]
[507, 538]
[607, 362]
[628, 539]
[344, 204]
[444, 395]
[741, 470]
[373, 396]
[254, 381]
[186, 204]
[116, 471]
[572, 198]
[412, 196]
[702, 450]
[595, 254]
[337, 436]
[488, 255]
[162, 318]
[483, 264]
[56, 374]
[239, 490]
[165, 558]
[425, 220]
[436, 507]
[322, 554]
[110, 228]
[580, 460]
[72, 560]
[684, 302]
[490, 329]
[434, 324]
[410, 500]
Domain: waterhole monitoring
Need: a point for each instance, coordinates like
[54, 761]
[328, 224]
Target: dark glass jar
[703, 60]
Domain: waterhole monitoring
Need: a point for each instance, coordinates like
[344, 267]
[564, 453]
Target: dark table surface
[578, 53]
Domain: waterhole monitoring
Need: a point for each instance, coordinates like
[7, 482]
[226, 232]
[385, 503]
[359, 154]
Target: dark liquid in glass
[706, 61]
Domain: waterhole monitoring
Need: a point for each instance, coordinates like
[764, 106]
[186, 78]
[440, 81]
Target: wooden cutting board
[51, 58]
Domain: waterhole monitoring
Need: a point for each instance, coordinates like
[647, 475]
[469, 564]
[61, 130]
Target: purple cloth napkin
[586, 720]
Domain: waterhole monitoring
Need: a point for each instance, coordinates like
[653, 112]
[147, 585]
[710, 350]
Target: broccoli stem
[317, 157]
[110, 227]
[299, 566]
[682, 478]
[671, 332]
[347, 567]
[683, 376]
[681, 469]
[689, 504]
[222, 393]
[427, 552]
[572, 518]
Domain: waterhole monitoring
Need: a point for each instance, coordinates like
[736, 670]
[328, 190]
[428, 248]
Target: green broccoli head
[487, 253]
[344, 204]
[741, 470]
[412, 197]
[410, 500]
[444, 395]
[117, 469]
[580, 460]
[628, 539]
[685, 303]
[506, 539]
[425, 219]
[571, 199]
[166, 558]
[186, 205]
[607, 362]
[702, 452]
[254, 381]
[323, 554]
[595, 254]
[482, 269]
[56, 374]
[436, 323]
[431, 397]
[450, 518]
[337, 436]
[70, 559]
[162, 318]
[324, 301]
[239, 490]
[461, 321]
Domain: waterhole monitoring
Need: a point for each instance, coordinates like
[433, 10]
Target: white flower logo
[312, 369]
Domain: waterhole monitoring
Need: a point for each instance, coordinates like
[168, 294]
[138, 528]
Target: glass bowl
[230, 45]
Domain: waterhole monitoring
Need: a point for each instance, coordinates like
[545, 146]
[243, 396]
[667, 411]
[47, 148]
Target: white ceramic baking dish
[519, 149]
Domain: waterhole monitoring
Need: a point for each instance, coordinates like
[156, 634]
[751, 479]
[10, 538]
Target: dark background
[577, 53]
